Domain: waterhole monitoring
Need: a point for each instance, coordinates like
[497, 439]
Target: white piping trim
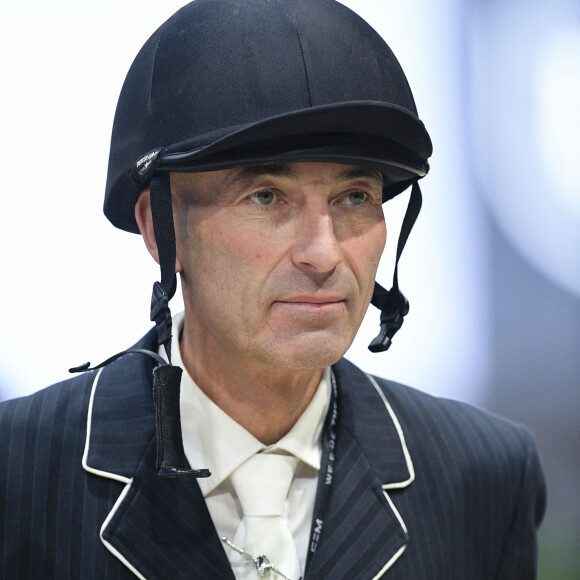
[127, 481]
[109, 546]
[396, 512]
[391, 562]
[411, 469]
[87, 467]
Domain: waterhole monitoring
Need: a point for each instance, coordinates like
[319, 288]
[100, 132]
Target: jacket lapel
[362, 534]
[158, 528]
[162, 527]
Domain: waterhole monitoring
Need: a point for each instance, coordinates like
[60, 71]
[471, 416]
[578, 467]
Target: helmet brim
[369, 121]
[370, 134]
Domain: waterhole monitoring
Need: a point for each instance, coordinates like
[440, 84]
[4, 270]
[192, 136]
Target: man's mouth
[314, 302]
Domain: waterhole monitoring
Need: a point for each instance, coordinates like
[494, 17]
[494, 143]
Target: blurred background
[492, 269]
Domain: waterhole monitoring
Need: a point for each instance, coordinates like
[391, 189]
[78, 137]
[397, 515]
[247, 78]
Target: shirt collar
[213, 440]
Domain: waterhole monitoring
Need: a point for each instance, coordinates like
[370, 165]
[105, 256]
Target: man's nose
[316, 247]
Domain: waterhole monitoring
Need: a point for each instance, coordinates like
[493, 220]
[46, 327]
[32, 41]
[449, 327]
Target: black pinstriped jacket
[424, 488]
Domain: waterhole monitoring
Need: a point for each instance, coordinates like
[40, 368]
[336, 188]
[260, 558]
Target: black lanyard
[326, 475]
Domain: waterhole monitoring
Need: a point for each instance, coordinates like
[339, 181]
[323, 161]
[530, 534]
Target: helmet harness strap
[162, 212]
[393, 304]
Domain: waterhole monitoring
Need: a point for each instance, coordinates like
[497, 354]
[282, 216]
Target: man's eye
[264, 197]
[355, 198]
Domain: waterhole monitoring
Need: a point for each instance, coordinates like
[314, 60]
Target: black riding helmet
[227, 83]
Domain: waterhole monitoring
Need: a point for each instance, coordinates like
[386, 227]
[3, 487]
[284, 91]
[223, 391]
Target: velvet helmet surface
[226, 83]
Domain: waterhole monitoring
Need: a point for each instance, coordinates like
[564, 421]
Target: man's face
[278, 261]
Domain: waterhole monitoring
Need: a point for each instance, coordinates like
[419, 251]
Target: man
[253, 146]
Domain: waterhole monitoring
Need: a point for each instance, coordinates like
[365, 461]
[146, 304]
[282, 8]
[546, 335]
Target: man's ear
[145, 222]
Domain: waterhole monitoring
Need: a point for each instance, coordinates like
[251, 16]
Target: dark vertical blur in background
[522, 77]
[536, 380]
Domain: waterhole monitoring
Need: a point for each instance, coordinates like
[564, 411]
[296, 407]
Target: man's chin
[311, 352]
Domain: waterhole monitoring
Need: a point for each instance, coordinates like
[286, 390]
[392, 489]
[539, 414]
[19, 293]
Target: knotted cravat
[262, 485]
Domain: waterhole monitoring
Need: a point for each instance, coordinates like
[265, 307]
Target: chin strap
[393, 304]
[171, 460]
[162, 214]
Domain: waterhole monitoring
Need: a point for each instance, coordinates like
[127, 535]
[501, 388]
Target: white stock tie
[262, 485]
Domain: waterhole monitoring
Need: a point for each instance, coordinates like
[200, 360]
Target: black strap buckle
[393, 311]
[161, 315]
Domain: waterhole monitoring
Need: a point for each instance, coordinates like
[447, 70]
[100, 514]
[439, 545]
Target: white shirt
[213, 440]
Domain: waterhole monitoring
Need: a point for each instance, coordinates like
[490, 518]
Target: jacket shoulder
[425, 413]
[60, 407]
[443, 417]
[54, 419]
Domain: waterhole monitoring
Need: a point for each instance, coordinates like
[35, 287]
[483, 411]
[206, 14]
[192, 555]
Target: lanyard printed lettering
[326, 469]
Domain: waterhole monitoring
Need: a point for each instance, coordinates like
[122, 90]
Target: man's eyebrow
[248, 174]
[362, 173]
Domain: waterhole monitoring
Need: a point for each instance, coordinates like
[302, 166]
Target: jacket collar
[372, 459]
[121, 419]
[367, 414]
